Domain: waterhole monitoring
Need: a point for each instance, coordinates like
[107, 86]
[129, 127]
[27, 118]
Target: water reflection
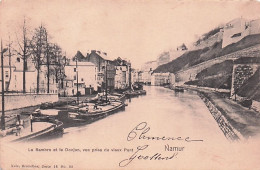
[167, 114]
[165, 110]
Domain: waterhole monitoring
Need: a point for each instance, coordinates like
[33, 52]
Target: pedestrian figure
[18, 118]
[95, 106]
[31, 118]
[87, 108]
[18, 128]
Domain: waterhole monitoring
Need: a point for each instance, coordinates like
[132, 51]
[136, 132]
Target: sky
[136, 30]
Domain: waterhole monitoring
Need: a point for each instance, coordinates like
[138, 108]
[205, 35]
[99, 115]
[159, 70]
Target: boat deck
[37, 127]
[100, 108]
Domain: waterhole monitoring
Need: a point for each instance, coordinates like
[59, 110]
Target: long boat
[72, 107]
[178, 89]
[134, 93]
[116, 105]
[85, 115]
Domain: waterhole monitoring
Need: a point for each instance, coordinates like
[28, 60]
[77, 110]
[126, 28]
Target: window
[6, 74]
[18, 59]
[82, 79]
[75, 69]
[236, 35]
[75, 78]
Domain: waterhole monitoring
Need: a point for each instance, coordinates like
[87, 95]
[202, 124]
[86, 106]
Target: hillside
[192, 58]
[219, 75]
[185, 60]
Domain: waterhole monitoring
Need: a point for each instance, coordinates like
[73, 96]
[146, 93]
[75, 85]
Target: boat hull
[54, 131]
[89, 116]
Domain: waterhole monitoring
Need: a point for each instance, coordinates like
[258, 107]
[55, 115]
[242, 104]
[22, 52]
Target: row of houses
[82, 74]
[13, 77]
[94, 73]
[151, 78]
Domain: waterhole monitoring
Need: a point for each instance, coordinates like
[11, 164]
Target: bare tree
[24, 51]
[55, 63]
[47, 56]
[39, 47]
[10, 63]
[46, 53]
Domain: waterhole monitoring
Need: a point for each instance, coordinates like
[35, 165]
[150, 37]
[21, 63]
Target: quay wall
[16, 101]
[190, 73]
[230, 133]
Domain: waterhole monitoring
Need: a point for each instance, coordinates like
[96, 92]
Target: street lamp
[3, 98]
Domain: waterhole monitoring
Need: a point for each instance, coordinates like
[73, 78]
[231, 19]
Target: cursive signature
[141, 129]
[136, 155]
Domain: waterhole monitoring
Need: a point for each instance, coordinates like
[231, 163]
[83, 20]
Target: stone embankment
[236, 122]
[230, 132]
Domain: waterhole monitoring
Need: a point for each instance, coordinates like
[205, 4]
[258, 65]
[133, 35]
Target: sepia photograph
[130, 84]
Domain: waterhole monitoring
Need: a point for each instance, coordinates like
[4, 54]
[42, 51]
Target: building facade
[160, 79]
[122, 76]
[104, 66]
[81, 75]
[134, 75]
[13, 77]
[239, 28]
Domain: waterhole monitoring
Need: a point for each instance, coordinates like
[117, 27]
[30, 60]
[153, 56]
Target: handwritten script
[140, 132]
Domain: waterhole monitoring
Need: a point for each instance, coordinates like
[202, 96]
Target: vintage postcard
[132, 84]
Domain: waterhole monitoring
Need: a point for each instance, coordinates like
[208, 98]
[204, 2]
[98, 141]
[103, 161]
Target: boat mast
[106, 81]
[77, 80]
[130, 77]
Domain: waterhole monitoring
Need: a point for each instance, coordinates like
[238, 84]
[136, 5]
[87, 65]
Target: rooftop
[81, 64]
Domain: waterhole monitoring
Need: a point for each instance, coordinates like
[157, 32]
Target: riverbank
[41, 128]
[30, 129]
[236, 121]
[46, 124]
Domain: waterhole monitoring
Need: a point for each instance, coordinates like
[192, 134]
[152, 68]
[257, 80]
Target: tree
[10, 63]
[48, 54]
[57, 63]
[39, 47]
[24, 51]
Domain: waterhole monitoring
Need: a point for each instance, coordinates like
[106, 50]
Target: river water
[165, 111]
[108, 143]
